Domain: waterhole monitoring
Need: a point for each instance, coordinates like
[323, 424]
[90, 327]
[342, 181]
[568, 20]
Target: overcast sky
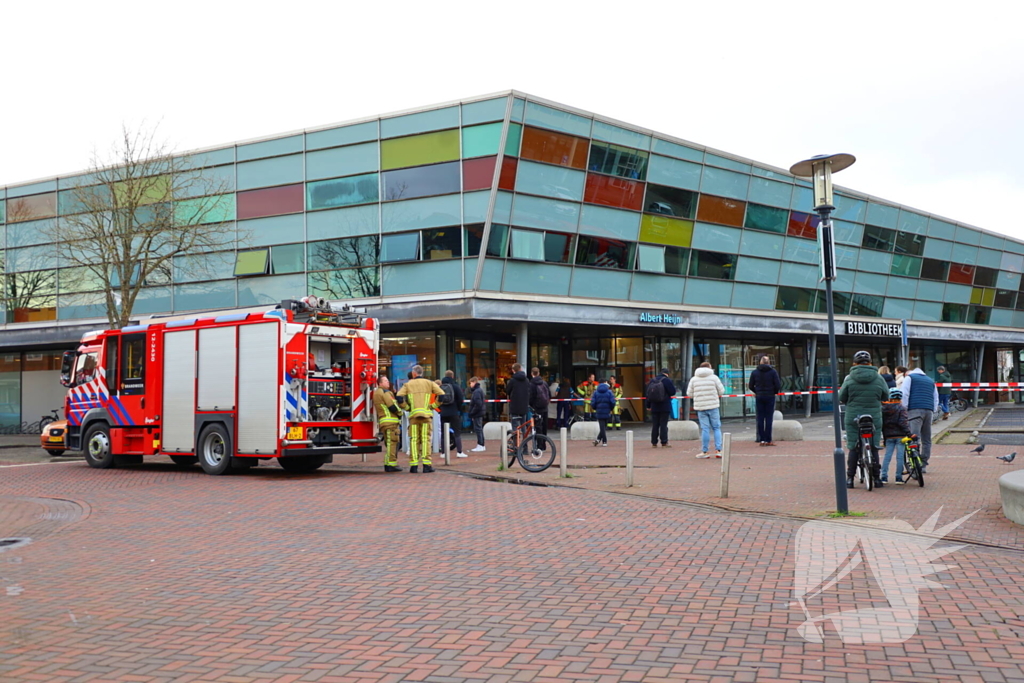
[928, 99]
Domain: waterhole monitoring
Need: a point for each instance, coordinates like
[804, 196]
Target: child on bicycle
[895, 426]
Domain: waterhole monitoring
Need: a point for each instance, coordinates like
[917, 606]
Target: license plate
[55, 439]
[294, 433]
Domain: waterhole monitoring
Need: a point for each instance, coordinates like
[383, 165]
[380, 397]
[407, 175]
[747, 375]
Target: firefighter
[616, 388]
[586, 390]
[389, 420]
[415, 397]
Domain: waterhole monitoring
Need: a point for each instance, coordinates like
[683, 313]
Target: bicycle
[535, 452]
[45, 420]
[912, 458]
[868, 461]
[957, 404]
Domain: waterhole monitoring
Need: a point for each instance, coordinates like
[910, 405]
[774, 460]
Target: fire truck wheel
[300, 464]
[215, 449]
[97, 446]
[184, 460]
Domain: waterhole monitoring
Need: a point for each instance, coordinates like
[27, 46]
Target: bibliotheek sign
[873, 329]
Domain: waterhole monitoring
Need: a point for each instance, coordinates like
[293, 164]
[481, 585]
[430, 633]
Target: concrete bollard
[446, 443]
[563, 461]
[503, 447]
[629, 458]
[726, 447]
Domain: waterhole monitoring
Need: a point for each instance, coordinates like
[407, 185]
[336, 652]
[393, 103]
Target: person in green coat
[941, 375]
[863, 391]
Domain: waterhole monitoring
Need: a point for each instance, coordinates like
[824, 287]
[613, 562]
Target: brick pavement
[361, 576]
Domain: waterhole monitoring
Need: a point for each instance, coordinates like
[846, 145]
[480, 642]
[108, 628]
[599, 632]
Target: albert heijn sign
[863, 329]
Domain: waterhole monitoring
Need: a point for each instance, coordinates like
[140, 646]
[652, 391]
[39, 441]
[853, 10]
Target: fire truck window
[133, 363]
[110, 363]
[85, 369]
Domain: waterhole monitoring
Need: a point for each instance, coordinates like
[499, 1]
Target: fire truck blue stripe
[124, 411]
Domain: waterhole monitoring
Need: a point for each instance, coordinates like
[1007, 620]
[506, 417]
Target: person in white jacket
[706, 390]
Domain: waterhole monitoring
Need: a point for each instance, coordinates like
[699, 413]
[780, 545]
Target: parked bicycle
[912, 458]
[45, 420]
[868, 463]
[535, 452]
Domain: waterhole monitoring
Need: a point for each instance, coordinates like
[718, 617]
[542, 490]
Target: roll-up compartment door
[217, 364]
[259, 405]
[178, 433]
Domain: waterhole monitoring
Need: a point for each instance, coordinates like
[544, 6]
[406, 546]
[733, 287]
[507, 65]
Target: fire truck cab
[226, 389]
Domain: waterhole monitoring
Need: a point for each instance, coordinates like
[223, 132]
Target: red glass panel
[961, 273]
[477, 174]
[272, 201]
[554, 148]
[614, 191]
[31, 208]
[720, 210]
[803, 225]
[509, 166]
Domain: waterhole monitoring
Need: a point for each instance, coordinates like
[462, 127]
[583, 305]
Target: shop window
[442, 243]
[133, 365]
[985, 277]
[554, 148]
[864, 304]
[841, 302]
[497, 242]
[618, 192]
[422, 181]
[954, 313]
[254, 262]
[401, 247]
[400, 351]
[795, 299]
[878, 238]
[351, 283]
[909, 243]
[343, 253]
[933, 269]
[961, 274]
[32, 207]
[766, 218]
[1005, 298]
[712, 264]
[711, 209]
[617, 160]
[906, 266]
[670, 201]
[803, 225]
[327, 194]
[419, 150]
[274, 201]
[604, 253]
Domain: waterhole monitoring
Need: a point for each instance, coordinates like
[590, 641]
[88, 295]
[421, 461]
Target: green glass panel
[251, 262]
[217, 209]
[417, 150]
[515, 134]
[326, 194]
[287, 258]
[908, 266]
[481, 141]
[766, 218]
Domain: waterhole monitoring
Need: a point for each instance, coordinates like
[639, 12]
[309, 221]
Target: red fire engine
[226, 389]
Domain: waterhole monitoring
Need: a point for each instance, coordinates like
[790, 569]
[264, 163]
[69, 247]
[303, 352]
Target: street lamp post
[820, 169]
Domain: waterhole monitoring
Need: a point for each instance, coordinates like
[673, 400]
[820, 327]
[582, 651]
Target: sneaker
[703, 455]
[885, 480]
[899, 480]
[718, 454]
[461, 455]
[478, 449]
[605, 443]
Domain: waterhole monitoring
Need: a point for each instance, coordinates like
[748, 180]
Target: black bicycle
[45, 420]
[868, 462]
[535, 452]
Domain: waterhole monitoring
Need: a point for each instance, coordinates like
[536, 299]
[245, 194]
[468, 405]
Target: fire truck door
[179, 403]
[131, 381]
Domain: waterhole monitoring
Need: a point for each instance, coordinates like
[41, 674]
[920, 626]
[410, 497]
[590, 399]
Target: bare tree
[353, 254]
[134, 212]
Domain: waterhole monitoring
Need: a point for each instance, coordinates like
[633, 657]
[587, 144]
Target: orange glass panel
[614, 191]
[509, 166]
[31, 208]
[961, 273]
[720, 210]
[803, 225]
[554, 148]
[477, 174]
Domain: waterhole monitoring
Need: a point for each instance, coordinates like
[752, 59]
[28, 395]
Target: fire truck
[226, 389]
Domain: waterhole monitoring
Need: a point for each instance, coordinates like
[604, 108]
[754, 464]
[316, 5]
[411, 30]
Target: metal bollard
[503, 447]
[629, 458]
[446, 443]
[726, 447]
[563, 462]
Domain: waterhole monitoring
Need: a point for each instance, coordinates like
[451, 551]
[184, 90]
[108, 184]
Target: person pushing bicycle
[862, 391]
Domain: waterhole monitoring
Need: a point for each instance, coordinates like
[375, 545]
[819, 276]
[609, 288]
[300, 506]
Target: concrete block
[787, 430]
[683, 430]
[778, 416]
[492, 430]
[584, 431]
[1011, 491]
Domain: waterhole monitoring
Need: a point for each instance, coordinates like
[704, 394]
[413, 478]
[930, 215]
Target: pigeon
[1007, 458]
[979, 449]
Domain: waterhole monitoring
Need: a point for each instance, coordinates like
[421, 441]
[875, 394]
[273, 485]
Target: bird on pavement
[979, 449]
[1007, 458]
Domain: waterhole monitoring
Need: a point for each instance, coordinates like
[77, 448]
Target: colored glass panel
[272, 201]
[670, 201]
[215, 209]
[477, 174]
[554, 148]
[712, 209]
[32, 207]
[327, 194]
[251, 262]
[422, 181]
[419, 150]
[803, 225]
[767, 218]
[507, 181]
[908, 266]
[961, 273]
[479, 141]
[617, 160]
[612, 191]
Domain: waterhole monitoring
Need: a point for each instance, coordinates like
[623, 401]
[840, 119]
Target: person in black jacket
[518, 391]
[603, 404]
[477, 410]
[451, 413]
[540, 397]
[661, 410]
[765, 383]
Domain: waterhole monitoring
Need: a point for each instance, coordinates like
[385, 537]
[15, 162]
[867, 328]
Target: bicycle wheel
[865, 467]
[536, 453]
[959, 405]
[44, 422]
[915, 470]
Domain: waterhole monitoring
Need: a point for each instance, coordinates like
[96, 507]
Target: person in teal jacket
[863, 391]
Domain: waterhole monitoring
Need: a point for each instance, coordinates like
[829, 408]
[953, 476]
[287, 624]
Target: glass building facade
[516, 199]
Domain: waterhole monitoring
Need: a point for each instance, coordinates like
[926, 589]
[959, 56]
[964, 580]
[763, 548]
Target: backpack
[543, 396]
[656, 391]
[448, 398]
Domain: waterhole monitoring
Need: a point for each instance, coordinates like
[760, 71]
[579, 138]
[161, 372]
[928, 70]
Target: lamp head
[821, 168]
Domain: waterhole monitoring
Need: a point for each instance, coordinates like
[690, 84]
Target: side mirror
[67, 367]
